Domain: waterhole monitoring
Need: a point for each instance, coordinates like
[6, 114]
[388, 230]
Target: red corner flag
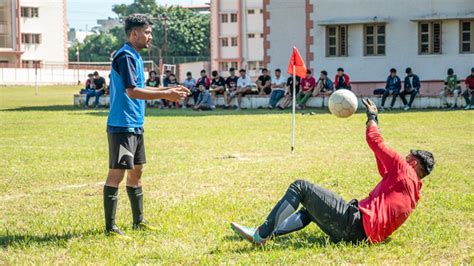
[297, 61]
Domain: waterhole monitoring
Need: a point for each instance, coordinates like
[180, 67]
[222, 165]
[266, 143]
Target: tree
[96, 48]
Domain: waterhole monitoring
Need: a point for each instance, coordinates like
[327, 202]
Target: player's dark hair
[231, 69]
[189, 74]
[136, 21]
[393, 70]
[203, 71]
[264, 70]
[450, 71]
[96, 73]
[153, 71]
[408, 70]
[426, 160]
[308, 71]
[324, 72]
[215, 73]
[340, 69]
[278, 70]
[242, 70]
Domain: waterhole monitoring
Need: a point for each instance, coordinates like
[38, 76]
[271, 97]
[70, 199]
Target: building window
[30, 38]
[336, 40]
[251, 35]
[251, 11]
[255, 65]
[261, 35]
[31, 63]
[429, 37]
[234, 65]
[466, 44]
[261, 11]
[224, 18]
[374, 39]
[224, 42]
[233, 17]
[234, 41]
[29, 12]
[223, 66]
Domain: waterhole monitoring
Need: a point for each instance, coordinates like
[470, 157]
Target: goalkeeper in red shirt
[372, 219]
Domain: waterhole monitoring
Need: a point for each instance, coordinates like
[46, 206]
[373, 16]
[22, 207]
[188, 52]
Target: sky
[86, 12]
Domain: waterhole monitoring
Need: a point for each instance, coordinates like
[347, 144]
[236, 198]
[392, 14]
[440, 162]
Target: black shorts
[126, 150]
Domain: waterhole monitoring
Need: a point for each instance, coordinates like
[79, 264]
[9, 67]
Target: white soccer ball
[342, 103]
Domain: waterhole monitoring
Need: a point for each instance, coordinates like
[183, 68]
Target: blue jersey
[127, 71]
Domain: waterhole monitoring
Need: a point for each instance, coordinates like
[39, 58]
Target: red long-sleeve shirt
[393, 199]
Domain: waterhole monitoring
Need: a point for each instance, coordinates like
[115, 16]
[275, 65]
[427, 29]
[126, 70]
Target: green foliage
[96, 48]
[205, 170]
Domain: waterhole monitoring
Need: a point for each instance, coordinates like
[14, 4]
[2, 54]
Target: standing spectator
[204, 101]
[411, 86]
[307, 87]
[153, 79]
[289, 92]
[325, 85]
[342, 80]
[231, 88]
[278, 88]
[244, 87]
[99, 86]
[469, 91]
[451, 87]
[190, 84]
[264, 83]
[217, 85]
[392, 87]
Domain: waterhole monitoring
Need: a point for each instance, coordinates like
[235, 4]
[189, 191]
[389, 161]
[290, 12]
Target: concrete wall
[287, 29]
[195, 68]
[50, 24]
[401, 38]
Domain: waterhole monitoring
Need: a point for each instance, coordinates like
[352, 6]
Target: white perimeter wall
[287, 29]
[401, 38]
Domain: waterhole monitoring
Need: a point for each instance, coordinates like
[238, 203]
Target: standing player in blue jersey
[125, 122]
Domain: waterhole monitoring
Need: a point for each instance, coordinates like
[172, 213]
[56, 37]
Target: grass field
[207, 169]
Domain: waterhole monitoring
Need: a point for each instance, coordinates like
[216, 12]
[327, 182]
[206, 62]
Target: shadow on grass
[25, 240]
[46, 108]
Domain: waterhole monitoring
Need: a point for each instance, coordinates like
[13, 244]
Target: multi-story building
[367, 38]
[33, 32]
[237, 35]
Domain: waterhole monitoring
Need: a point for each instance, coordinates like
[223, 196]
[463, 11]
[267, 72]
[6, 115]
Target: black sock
[135, 194]
[110, 205]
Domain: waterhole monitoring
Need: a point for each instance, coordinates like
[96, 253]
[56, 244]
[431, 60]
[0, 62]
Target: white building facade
[367, 38]
[237, 35]
[33, 32]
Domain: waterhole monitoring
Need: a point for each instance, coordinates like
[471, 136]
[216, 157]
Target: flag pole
[294, 111]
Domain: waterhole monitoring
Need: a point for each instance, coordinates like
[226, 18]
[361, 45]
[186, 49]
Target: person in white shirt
[244, 86]
[278, 89]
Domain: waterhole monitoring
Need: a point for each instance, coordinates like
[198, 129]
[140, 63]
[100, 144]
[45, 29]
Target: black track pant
[412, 93]
[394, 97]
[340, 220]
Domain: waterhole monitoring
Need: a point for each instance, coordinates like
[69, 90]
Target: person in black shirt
[230, 88]
[264, 83]
[217, 85]
[173, 82]
[153, 79]
[99, 85]
[289, 92]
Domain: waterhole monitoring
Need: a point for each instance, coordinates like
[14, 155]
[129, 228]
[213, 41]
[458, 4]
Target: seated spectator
[411, 86]
[204, 101]
[153, 79]
[278, 89]
[203, 80]
[98, 86]
[289, 92]
[392, 87]
[342, 80]
[90, 82]
[307, 87]
[325, 85]
[264, 83]
[231, 88]
[190, 84]
[451, 88]
[217, 85]
[469, 91]
[244, 87]
[173, 82]
[166, 81]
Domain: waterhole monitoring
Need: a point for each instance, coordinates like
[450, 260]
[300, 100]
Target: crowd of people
[204, 90]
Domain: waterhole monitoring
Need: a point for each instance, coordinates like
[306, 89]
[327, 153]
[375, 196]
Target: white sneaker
[467, 107]
[406, 108]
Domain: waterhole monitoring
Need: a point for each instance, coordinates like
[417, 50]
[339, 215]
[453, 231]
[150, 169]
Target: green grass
[207, 169]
